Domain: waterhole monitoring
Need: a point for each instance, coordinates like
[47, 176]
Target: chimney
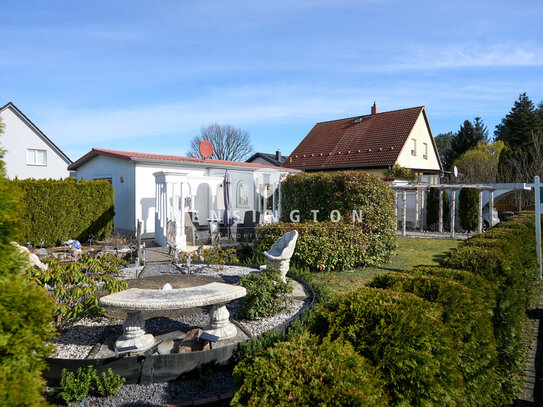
[278, 156]
[374, 109]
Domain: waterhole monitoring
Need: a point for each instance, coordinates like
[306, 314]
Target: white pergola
[494, 190]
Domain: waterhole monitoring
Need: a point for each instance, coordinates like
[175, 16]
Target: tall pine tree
[521, 122]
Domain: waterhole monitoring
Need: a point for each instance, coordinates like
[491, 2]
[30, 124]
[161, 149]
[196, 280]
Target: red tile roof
[355, 142]
[124, 155]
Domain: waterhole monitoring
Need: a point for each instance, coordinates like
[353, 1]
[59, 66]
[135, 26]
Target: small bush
[75, 286]
[470, 323]
[399, 172]
[59, 210]
[75, 387]
[108, 385]
[267, 294]
[468, 208]
[218, 257]
[304, 372]
[404, 337]
[432, 208]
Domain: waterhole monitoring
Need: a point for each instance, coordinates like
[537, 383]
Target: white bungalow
[158, 188]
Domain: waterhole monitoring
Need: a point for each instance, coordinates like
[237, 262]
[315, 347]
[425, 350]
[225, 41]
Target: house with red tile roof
[372, 143]
[155, 188]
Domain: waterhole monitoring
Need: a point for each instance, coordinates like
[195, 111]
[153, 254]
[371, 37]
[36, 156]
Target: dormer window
[36, 157]
[413, 147]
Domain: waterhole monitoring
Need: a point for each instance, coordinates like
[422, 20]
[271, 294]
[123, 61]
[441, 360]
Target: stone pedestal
[220, 323]
[282, 265]
[134, 335]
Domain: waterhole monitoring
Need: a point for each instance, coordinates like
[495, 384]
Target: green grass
[410, 252]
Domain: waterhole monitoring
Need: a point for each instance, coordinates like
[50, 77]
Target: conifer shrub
[404, 337]
[501, 258]
[432, 208]
[25, 310]
[55, 210]
[467, 317]
[267, 294]
[306, 372]
[468, 208]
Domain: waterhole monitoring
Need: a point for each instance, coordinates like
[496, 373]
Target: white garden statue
[280, 253]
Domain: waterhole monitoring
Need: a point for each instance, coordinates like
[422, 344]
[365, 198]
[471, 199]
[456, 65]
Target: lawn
[410, 252]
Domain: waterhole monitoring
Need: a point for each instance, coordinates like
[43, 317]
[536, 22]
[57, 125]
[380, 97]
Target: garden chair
[280, 253]
[246, 231]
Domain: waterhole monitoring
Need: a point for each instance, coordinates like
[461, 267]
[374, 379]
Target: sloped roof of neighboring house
[125, 155]
[369, 141]
[271, 158]
[36, 130]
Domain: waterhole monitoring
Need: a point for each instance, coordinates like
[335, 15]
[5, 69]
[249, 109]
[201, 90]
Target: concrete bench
[135, 300]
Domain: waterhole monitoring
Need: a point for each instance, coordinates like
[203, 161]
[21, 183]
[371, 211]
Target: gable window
[425, 151]
[36, 157]
[243, 195]
[413, 146]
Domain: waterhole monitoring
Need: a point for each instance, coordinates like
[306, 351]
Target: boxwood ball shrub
[404, 337]
[306, 372]
[468, 208]
[25, 310]
[352, 197]
[465, 314]
[59, 210]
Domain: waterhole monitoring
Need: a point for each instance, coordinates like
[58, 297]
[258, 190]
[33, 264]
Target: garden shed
[156, 188]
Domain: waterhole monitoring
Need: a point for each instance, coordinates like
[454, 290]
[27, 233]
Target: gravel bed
[77, 342]
[159, 394]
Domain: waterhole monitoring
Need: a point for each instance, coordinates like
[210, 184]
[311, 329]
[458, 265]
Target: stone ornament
[280, 253]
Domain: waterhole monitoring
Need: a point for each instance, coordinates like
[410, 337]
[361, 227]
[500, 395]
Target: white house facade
[29, 152]
[157, 188]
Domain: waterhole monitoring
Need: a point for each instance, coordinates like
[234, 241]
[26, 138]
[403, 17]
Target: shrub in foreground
[305, 372]
[267, 294]
[403, 337]
[470, 323]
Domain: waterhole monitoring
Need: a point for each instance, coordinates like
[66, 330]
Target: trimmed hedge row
[444, 336]
[59, 210]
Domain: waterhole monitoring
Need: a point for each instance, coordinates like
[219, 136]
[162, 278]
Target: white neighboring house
[29, 152]
[157, 188]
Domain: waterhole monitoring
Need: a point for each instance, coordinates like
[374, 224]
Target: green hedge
[468, 208]
[326, 245]
[305, 372]
[58, 210]
[432, 208]
[26, 313]
[504, 257]
[404, 337]
[464, 312]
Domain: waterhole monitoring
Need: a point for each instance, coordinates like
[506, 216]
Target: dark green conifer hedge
[59, 210]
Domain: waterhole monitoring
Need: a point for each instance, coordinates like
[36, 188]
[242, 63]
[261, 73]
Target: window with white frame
[243, 195]
[36, 157]
[425, 151]
[413, 146]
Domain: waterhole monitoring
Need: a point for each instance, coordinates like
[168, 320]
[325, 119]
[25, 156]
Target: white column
[416, 208]
[280, 207]
[404, 211]
[537, 193]
[440, 220]
[274, 212]
[423, 209]
[480, 211]
[453, 211]
[491, 208]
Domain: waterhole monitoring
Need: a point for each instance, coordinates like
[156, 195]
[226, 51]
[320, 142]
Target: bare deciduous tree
[229, 143]
[522, 165]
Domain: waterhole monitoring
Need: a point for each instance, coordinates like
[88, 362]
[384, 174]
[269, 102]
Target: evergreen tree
[469, 135]
[443, 143]
[26, 311]
[517, 128]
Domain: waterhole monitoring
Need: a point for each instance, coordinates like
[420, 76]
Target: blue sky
[146, 76]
